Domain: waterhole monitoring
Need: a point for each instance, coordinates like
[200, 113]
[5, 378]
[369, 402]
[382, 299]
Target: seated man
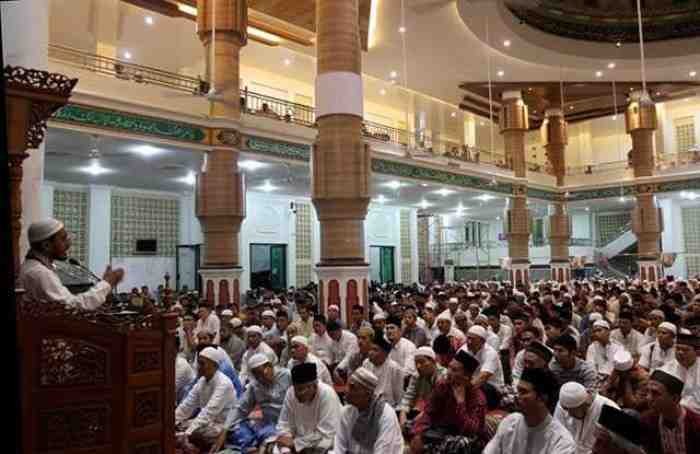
[310, 414]
[532, 429]
[213, 395]
[255, 344]
[627, 384]
[402, 350]
[233, 345]
[204, 339]
[490, 370]
[300, 354]
[420, 386]
[567, 367]
[368, 425]
[184, 375]
[618, 433]
[602, 351]
[660, 352]
[687, 367]
[354, 360]
[344, 344]
[578, 410]
[389, 375]
[455, 411]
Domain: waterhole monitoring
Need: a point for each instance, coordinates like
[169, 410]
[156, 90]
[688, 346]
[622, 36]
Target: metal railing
[278, 109]
[384, 133]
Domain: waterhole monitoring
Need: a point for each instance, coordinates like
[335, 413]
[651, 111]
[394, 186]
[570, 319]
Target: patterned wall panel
[610, 226]
[423, 247]
[304, 254]
[71, 207]
[405, 228]
[685, 133]
[691, 237]
[135, 218]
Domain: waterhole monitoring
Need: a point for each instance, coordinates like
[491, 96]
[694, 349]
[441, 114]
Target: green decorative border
[601, 193]
[136, 124]
[541, 194]
[288, 150]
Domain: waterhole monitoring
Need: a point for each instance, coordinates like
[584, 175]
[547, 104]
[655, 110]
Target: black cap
[567, 341]
[542, 380]
[442, 345]
[393, 320]
[468, 361]
[688, 339]
[673, 384]
[381, 341]
[540, 350]
[491, 311]
[621, 423]
[304, 373]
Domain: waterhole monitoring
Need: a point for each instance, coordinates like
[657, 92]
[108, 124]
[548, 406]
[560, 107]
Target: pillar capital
[231, 20]
[513, 115]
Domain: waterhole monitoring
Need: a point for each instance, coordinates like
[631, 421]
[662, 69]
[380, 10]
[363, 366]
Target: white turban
[477, 330]
[572, 395]
[257, 360]
[432, 306]
[210, 353]
[668, 327]
[622, 361]
[300, 340]
[594, 317]
[365, 378]
[236, 322]
[268, 314]
[227, 312]
[658, 313]
[425, 351]
[444, 316]
[453, 301]
[601, 324]
[255, 329]
[379, 316]
[43, 230]
[333, 307]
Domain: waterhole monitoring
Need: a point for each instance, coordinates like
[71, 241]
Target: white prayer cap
[276, 300]
[453, 300]
[268, 313]
[481, 317]
[668, 327]
[300, 340]
[177, 306]
[255, 329]
[432, 306]
[43, 230]
[236, 322]
[658, 313]
[365, 378]
[227, 312]
[210, 353]
[623, 361]
[572, 395]
[477, 330]
[257, 360]
[598, 298]
[594, 317]
[333, 307]
[379, 316]
[601, 324]
[444, 316]
[425, 351]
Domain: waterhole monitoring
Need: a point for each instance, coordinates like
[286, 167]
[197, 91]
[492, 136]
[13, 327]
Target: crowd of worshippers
[599, 366]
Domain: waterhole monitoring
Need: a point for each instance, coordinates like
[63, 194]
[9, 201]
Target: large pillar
[341, 160]
[514, 124]
[220, 186]
[555, 140]
[647, 225]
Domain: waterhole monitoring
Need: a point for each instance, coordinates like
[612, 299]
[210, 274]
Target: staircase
[618, 243]
[617, 257]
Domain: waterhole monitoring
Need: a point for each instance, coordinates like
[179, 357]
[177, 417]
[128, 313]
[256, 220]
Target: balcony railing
[278, 109]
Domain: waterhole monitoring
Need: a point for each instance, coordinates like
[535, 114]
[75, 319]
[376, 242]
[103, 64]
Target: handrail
[278, 109]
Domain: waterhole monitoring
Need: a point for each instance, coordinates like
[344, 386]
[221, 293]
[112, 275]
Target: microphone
[75, 262]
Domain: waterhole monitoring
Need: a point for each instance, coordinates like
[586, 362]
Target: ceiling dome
[610, 20]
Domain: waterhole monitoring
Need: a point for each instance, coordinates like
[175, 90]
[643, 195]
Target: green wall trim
[288, 150]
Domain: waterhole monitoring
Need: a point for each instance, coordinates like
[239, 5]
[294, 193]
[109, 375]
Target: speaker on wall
[147, 246]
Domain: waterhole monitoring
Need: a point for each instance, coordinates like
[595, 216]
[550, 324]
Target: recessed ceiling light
[251, 165]
[618, 44]
[599, 73]
[587, 209]
[95, 169]
[146, 150]
[382, 92]
[425, 185]
[622, 199]
[506, 43]
[148, 20]
[501, 73]
[190, 179]
[402, 29]
[571, 107]
[614, 117]
[287, 61]
[127, 55]
[445, 192]
[687, 195]
[424, 204]
[394, 184]
[485, 197]
[481, 123]
[611, 65]
[454, 114]
[498, 218]
[392, 82]
[393, 74]
[380, 199]
[658, 93]
[267, 187]
[693, 73]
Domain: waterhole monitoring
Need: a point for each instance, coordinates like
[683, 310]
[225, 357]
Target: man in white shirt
[490, 370]
[320, 342]
[300, 354]
[602, 351]
[403, 350]
[627, 336]
[268, 324]
[49, 241]
[368, 425]
[208, 321]
[255, 344]
[310, 413]
[389, 374]
[213, 395]
[344, 343]
[687, 368]
[492, 339]
[656, 317]
[578, 410]
[660, 352]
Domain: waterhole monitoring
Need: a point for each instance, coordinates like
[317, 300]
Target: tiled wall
[135, 218]
[609, 225]
[685, 133]
[304, 232]
[691, 237]
[423, 245]
[405, 228]
[71, 207]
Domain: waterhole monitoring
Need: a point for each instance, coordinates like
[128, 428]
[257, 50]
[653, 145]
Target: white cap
[658, 313]
[453, 300]
[334, 308]
[668, 327]
[365, 378]
[425, 351]
[300, 340]
[431, 305]
[236, 322]
[444, 316]
[211, 354]
[268, 314]
[257, 360]
[176, 306]
[477, 330]
[594, 317]
[43, 230]
[255, 329]
[379, 316]
[601, 324]
[623, 361]
[572, 395]
[227, 312]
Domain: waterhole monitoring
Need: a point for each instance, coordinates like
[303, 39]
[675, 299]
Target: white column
[413, 232]
[190, 229]
[25, 30]
[99, 228]
[470, 130]
[672, 236]
[47, 191]
[292, 245]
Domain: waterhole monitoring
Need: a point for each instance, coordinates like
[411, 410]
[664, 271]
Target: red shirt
[442, 410]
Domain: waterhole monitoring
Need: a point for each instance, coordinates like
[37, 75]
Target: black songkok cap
[442, 345]
[381, 341]
[673, 384]
[542, 380]
[304, 373]
[468, 361]
[539, 349]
